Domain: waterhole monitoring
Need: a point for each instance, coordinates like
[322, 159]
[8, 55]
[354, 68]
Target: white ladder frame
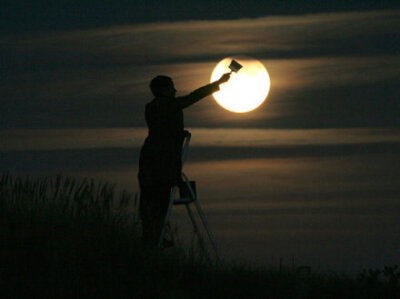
[187, 201]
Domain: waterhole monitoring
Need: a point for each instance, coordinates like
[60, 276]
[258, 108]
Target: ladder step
[183, 200]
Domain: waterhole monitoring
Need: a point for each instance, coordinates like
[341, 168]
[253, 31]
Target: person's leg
[154, 202]
[145, 213]
[160, 211]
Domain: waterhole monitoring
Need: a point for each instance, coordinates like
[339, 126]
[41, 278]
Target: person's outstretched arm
[201, 92]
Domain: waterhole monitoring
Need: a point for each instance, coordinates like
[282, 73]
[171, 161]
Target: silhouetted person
[160, 157]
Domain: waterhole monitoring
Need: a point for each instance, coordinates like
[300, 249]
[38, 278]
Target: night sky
[47, 15]
[313, 173]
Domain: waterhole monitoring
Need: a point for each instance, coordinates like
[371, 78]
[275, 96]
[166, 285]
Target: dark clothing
[153, 207]
[160, 157]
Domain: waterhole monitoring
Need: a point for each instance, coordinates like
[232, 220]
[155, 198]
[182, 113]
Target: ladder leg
[197, 230]
[204, 220]
[191, 215]
[173, 192]
[210, 235]
[164, 228]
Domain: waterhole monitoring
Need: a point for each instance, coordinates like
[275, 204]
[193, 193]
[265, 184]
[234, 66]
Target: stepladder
[185, 194]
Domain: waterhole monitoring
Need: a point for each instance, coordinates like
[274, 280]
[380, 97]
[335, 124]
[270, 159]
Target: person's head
[162, 86]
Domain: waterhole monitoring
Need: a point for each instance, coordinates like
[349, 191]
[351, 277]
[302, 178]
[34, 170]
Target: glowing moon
[246, 89]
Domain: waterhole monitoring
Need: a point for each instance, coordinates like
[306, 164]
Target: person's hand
[186, 133]
[224, 78]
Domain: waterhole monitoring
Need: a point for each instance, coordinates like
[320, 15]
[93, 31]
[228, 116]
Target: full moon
[247, 89]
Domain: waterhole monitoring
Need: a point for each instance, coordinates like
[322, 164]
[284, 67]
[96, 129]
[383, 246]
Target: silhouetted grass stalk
[65, 196]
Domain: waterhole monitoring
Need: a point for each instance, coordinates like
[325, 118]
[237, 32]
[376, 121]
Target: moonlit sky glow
[312, 173]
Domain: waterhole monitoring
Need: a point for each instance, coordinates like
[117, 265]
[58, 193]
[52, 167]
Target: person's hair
[159, 84]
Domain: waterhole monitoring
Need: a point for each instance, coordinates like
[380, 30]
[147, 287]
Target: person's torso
[164, 119]
[160, 154]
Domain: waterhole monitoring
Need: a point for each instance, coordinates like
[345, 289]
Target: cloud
[268, 37]
[99, 77]
[84, 138]
[336, 71]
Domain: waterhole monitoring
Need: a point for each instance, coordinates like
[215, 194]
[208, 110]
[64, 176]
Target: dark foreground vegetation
[65, 238]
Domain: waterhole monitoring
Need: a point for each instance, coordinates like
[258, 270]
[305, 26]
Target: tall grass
[63, 196]
[67, 238]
